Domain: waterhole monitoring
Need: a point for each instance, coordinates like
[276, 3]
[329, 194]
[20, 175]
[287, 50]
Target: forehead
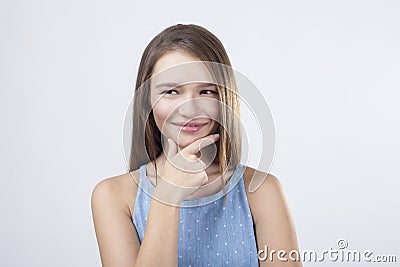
[180, 67]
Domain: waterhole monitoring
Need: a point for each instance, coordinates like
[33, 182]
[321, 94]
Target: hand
[183, 172]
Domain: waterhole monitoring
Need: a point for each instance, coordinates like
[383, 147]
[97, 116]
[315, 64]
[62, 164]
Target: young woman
[189, 203]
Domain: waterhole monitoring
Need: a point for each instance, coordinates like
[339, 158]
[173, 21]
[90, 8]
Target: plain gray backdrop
[328, 69]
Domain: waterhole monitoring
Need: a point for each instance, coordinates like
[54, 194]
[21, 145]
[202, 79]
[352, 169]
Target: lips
[191, 127]
[191, 124]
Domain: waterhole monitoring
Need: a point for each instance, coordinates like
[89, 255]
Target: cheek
[213, 110]
[160, 113]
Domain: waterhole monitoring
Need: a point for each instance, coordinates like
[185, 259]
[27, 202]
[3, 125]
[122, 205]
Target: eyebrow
[166, 85]
[170, 84]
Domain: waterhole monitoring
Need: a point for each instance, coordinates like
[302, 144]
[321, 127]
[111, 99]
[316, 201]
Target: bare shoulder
[257, 182]
[273, 222]
[112, 204]
[264, 190]
[120, 189]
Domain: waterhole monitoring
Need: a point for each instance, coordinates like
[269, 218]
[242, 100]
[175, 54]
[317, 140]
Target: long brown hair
[204, 45]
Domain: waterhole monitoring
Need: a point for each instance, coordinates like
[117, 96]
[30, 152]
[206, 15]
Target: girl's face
[185, 106]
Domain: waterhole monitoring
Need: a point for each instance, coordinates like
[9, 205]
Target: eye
[170, 92]
[209, 92]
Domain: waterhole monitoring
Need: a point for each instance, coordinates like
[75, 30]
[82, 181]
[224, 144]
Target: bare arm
[116, 235]
[273, 224]
[160, 242]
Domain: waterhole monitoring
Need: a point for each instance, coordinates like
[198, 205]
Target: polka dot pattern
[214, 234]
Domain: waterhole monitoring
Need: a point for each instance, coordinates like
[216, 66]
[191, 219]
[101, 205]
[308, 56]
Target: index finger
[201, 143]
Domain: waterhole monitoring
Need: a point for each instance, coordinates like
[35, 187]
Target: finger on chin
[199, 144]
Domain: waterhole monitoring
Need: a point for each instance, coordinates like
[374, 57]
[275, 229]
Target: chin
[186, 140]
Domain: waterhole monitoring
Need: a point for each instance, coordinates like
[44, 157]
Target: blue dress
[211, 233]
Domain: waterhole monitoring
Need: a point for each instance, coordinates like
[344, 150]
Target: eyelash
[212, 92]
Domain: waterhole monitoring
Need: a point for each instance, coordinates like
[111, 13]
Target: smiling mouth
[191, 127]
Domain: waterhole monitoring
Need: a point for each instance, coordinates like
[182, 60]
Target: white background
[329, 70]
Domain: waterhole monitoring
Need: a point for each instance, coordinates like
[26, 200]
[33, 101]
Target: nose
[190, 107]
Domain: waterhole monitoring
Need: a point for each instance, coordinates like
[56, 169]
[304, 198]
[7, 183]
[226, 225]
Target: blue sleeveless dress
[211, 233]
